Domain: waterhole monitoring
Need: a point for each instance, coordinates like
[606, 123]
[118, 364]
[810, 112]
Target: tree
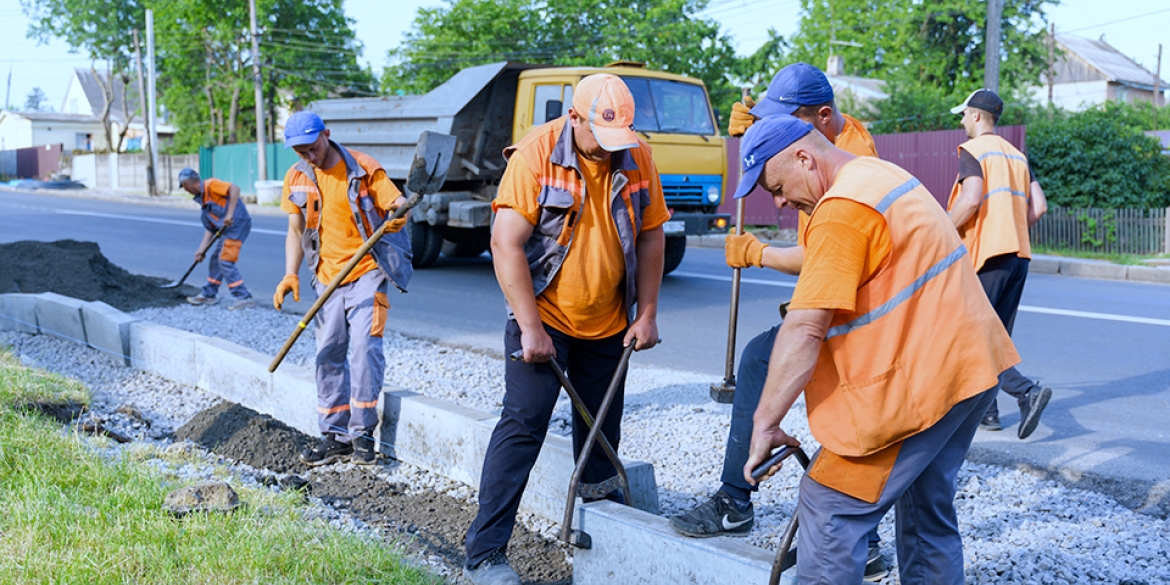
[36, 100]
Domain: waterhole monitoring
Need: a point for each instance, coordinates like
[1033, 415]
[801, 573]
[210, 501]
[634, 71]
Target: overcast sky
[381, 25]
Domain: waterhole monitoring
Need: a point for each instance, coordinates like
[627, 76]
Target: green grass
[71, 516]
[1131, 259]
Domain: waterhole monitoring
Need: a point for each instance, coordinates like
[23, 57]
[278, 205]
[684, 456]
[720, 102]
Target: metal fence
[236, 163]
[1110, 231]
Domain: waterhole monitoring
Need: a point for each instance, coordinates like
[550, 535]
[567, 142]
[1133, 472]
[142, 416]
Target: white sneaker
[202, 300]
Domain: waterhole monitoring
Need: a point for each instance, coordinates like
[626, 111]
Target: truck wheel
[467, 248]
[676, 247]
[425, 244]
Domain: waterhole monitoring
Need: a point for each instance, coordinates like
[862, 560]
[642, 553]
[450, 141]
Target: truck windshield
[670, 106]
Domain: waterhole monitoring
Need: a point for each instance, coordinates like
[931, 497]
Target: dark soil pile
[79, 270]
[242, 434]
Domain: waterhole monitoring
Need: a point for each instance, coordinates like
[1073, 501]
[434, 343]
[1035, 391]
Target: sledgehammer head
[432, 160]
[723, 392]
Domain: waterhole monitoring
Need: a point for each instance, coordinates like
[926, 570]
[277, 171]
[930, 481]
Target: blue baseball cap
[764, 140]
[187, 173]
[302, 128]
[798, 84]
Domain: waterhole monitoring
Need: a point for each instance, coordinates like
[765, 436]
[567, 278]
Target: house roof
[53, 116]
[863, 87]
[1110, 62]
[94, 93]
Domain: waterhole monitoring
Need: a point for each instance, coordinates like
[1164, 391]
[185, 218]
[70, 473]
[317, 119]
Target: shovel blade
[432, 160]
[175, 284]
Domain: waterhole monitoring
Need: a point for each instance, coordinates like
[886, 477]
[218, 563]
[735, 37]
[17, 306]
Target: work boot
[719, 516]
[202, 300]
[876, 567]
[1031, 407]
[326, 451]
[494, 571]
[247, 303]
[363, 451]
[990, 422]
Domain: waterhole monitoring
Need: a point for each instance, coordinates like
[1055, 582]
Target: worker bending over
[220, 208]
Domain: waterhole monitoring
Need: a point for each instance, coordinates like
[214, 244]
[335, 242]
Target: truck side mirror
[552, 109]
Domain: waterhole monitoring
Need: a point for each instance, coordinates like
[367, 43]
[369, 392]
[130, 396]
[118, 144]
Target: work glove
[227, 222]
[744, 251]
[396, 225]
[289, 284]
[741, 117]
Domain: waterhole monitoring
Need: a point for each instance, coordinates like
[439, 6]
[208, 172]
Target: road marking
[157, 220]
[1023, 308]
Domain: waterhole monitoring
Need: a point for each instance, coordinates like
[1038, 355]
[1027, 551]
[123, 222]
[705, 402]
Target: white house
[25, 129]
[1089, 72]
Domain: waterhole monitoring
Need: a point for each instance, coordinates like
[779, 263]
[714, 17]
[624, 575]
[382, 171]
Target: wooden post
[1051, 58]
[151, 186]
[258, 87]
[1157, 90]
[991, 43]
[1166, 233]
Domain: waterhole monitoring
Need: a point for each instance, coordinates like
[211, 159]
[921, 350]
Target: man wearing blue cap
[336, 198]
[804, 92]
[220, 208]
[891, 341]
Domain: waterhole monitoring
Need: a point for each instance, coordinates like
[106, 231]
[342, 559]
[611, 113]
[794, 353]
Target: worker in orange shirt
[804, 92]
[896, 351]
[336, 198]
[993, 203]
[220, 208]
[578, 251]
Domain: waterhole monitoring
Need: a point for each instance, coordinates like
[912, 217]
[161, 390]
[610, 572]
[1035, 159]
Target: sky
[1135, 27]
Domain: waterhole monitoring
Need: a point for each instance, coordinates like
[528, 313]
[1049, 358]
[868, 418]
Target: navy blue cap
[187, 173]
[798, 84]
[302, 128]
[764, 140]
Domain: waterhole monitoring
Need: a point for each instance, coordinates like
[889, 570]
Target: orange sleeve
[519, 190]
[847, 243]
[286, 205]
[656, 213]
[855, 139]
[384, 191]
[217, 190]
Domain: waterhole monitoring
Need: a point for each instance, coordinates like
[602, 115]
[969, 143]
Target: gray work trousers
[351, 364]
[921, 488]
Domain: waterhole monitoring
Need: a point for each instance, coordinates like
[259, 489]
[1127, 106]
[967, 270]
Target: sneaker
[876, 567]
[326, 451]
[1030, 410]
[494, 571]
[247, 303]
[990, 422]
[719, 516]
[363, 451]
[202, 300]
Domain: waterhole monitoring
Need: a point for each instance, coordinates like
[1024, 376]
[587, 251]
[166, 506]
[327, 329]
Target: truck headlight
[713, 194]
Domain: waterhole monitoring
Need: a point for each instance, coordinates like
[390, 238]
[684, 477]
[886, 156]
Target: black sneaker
[990, 422]
[363, 451]
[494, 571]
[326, 451]
[719, 516]
[1031, 407]
[876, 567]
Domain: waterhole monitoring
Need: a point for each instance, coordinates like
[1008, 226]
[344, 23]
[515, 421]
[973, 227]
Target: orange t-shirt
[216, 191]
[586, 298]
[854, 139]
[846, 245]
[339, 234]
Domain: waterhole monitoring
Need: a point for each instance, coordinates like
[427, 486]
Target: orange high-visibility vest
[854, 139]
[923, 336]
[1000, 226]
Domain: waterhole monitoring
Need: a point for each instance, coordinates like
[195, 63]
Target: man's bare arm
[786, 260]
[293, 253]
[1037, 203]
[968, 202]
[509, 234]
[650, 249]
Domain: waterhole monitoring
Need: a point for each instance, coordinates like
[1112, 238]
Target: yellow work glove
[744, 251]
[741, 117]
[396, 225]
[289, 284]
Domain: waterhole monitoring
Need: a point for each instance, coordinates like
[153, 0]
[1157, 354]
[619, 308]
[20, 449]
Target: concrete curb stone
[60, 316]
[18, 312]
[107, 329]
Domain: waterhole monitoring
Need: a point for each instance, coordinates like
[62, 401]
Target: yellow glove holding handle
[744, 251]
[741, 117]
[395, 226]
[290, 283]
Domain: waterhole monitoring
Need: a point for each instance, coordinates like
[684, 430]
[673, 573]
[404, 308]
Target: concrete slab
[107, 329]
[164, 351]
[1092, 269]
[234, 373]
[1148, 274]
[60, 316]
[434, 434]
[294, 393]
[630, 546]
[18, 312]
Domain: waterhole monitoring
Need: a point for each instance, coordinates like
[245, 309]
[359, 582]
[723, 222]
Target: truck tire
[470, 247]
[676, 247]
[425, 244]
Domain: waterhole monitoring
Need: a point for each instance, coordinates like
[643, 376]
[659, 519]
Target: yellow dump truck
[492, 106]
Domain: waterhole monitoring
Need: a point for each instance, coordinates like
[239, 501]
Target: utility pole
[258, 82]
[151, 186]
[1157, 89]
[991, 42]
[1051, 58]
[152, 121]
[8, 94]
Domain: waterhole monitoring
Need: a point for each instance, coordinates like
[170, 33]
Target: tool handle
[337, 280]
[203, 251]
[777, 457]
[518, 355]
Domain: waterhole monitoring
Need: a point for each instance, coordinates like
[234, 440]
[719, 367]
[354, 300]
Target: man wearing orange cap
[578, 251]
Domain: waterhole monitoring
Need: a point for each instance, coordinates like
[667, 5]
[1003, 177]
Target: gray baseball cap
[187, 173]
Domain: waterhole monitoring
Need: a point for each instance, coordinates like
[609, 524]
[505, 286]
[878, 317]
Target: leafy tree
[36, 100]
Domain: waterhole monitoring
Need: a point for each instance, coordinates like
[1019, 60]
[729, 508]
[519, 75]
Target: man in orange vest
[578, 250]
[803, 91]
[890, 339]
[993, 203]
[335, 198]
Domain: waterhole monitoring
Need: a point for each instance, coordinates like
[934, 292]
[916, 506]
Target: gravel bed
[1017, 527]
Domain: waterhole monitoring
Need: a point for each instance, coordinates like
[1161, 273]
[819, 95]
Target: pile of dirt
[242, 434]
[79, 270]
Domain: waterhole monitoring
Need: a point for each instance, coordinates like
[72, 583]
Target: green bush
[1098, 158]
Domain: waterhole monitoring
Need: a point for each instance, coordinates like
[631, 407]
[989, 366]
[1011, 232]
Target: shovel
[785, 555]
[428, 170]
[178, 283]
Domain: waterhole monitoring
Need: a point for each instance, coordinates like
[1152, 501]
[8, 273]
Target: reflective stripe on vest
[1000, 225]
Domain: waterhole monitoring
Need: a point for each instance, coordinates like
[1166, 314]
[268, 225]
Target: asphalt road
[1103, 346]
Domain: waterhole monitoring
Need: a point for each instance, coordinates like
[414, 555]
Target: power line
[1119, 20]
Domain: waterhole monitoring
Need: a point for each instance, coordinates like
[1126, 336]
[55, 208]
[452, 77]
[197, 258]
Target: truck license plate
[674, 227]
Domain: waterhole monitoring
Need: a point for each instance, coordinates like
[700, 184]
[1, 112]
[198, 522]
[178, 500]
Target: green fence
[1116, 231]
[236, 163]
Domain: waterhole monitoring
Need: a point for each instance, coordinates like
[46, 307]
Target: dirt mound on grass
[242, 434]
[79, 270]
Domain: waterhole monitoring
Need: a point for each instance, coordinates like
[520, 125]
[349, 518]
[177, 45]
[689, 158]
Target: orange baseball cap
[606, 102]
